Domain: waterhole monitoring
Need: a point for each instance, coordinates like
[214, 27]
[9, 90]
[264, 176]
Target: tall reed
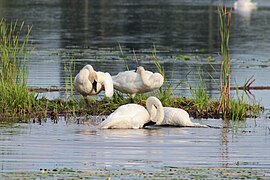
[165, 91]
[224, 29]
[14, 53]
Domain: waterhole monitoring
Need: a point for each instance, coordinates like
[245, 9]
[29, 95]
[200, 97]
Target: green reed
[165, 91]
[199, 93]
[237, 108]
[224, 30]
[15, 99]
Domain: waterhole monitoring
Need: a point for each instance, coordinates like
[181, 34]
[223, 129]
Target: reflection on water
[29, 147]
[88, 31]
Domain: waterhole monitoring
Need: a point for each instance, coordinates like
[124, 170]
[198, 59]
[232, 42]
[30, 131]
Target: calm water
[87, 31]
[30, 147]
[91, 31]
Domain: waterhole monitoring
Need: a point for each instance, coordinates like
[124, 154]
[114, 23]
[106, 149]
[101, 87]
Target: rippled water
[88, 31]
[30, 147]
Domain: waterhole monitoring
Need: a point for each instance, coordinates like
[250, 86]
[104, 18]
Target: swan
[134, 116]
[245, 5]
[89, 82]
[139, 81]
[174, 117]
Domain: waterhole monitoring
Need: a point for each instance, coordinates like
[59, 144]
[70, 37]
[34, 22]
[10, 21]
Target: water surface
[90, 32]
[31, 147]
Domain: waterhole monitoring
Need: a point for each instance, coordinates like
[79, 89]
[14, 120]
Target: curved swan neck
[153, 102]
[92, 73]
[144, 77]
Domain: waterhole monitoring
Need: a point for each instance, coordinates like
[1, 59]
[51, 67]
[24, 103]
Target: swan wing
[179, 117]
[127, 82]
[176, 117]
[126, 116]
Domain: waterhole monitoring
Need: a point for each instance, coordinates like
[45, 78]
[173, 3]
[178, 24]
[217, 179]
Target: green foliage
[199, 93]
[224, 30]
[183, 57]
[165, 91]
[14, 95]
[237, 109]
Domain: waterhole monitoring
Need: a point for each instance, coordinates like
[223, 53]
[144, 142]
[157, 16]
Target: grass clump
[224, 30]
[15, 99]
[199, 93]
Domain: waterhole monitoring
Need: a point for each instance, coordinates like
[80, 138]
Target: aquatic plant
[165, 91]
[15, 98]
[237, 108]
[199, 93]
[123, 56]
[224, 30]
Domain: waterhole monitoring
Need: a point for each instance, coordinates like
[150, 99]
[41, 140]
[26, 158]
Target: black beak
[150, 123]
[94, 84]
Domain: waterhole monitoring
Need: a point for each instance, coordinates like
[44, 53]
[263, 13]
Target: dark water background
[90, 32]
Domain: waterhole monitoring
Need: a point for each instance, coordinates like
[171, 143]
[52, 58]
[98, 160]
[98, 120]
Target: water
[90, 32]
[31, 147]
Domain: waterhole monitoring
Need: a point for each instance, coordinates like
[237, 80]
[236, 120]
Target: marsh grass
[237, 108]
[165, 91]
[199, 93]
[16, 100]
[124, 57]
[18, 103]
[224, 30]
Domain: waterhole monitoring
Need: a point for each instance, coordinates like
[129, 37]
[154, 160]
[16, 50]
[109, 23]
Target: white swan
[133, 116]
[174, 117]
[245, 5]
[141, 81]
[89, 82]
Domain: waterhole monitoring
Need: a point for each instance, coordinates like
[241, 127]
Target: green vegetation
[183, 57]
[224, 30]
[199, 94]
[15, 99]
[18, 103]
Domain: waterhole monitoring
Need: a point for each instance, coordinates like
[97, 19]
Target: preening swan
[139, 81]
[244, 5]
[173, 116]
[133, 116]
[89, 82]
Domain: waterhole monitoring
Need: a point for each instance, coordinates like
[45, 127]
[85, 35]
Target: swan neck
[153, 102]
[144, 77]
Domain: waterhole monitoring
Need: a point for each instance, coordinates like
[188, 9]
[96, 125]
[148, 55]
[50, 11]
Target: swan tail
[200, 125]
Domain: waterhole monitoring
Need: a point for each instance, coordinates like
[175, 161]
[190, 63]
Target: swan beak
[95, 85]
[150, 123]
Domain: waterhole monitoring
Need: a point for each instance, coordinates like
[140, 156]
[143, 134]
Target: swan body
[89, 82]
[141, 81]
[178, 117]
[245, 5]
[133, 116]
[175, 117]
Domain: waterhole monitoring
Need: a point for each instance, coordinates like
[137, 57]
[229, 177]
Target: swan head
[140, 69]
[92, 77]
[155, 109]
